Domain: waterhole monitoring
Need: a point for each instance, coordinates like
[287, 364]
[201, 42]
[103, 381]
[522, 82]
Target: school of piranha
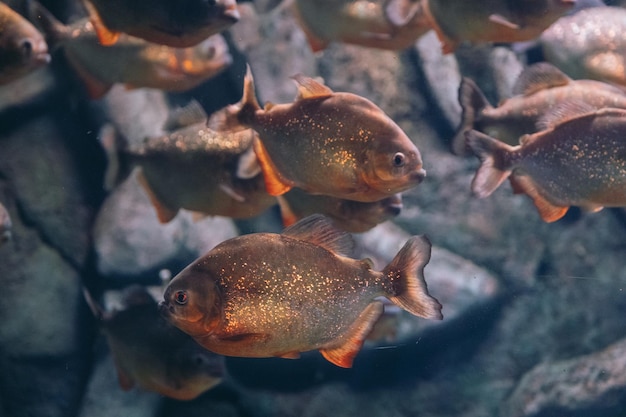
[333, 161]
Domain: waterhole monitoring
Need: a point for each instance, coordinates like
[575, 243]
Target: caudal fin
[406, 273]
[492, 171]
[237, 116]
[473, 102]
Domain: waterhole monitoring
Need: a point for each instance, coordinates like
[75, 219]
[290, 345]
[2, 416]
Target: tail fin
[473, 102]
[406, 272]
[236, 116]
[54, 31]
[492, 171]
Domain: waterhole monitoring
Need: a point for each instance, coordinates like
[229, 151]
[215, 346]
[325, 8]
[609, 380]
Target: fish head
[210, 56]
[393, 164]
[193, 370]
[192, 302]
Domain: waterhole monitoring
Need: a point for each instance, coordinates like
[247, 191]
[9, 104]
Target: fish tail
[406, 273]
[237, 116]
[473, 102]
[54, 31]
[493, 170]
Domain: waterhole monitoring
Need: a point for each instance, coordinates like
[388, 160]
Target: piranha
[540, 89]
[457, 21]
[336, 144]
[266, 294]
[146, 64]
[384, 24]
[151, 353]
[348, 215]
[589, 44]
[580, 161]
[193, 167]
[179, 24]
[5, 225]
[22, 47]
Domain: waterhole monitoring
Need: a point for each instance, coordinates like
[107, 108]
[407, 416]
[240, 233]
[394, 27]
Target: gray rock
[276, 49]
[590, 382]
[41, 294]
[38, 161]
[130, 241]
[442, 76]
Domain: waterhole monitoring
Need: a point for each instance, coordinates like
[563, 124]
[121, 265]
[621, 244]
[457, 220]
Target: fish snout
[419, 175]
[230, 10]
[165, 309]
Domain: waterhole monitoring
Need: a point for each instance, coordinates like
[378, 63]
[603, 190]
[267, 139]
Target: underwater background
[533, 311]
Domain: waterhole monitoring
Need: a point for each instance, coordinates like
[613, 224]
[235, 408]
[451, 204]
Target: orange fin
[164, 214]
[343, 351]
[406, 273]
[315, 43]
[125, 381]
[286, 212]
[95, 87]
[289, 355]
[106, 36]
[501, 20]
[319, 230]
[549, 212]
[310, 88]
[274, 184]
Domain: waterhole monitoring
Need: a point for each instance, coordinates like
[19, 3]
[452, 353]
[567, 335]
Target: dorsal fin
[319, 230]
[538, 77]
[565, 111]
[188, 115]
[310, 88]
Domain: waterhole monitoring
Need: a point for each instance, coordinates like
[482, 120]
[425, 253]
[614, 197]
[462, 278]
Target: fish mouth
[165, 309]
[418, 176]
[231, 12]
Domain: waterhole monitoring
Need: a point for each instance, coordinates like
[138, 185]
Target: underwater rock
[278, 35]
[595, 383]
[104, 397]
[45, 286]
[39, 160]
[442, 76]
[129, 240]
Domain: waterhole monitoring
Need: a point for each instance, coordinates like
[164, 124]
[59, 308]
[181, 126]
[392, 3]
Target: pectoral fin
[125, 381]
[106, 36]
[274, 184]
[164, 214]
[289, 355]
[503, 21]
[342, 351]
[287, 214]
[95, 87]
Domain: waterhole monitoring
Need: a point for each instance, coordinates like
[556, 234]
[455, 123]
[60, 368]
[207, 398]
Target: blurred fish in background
[22, 47]
[145, 64]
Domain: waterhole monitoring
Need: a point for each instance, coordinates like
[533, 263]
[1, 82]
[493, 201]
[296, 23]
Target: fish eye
[181, 297]
[398, 160]
[27, 47]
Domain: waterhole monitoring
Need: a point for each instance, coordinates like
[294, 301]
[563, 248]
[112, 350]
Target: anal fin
[274, 184]
[343, 351]
[548, 211]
